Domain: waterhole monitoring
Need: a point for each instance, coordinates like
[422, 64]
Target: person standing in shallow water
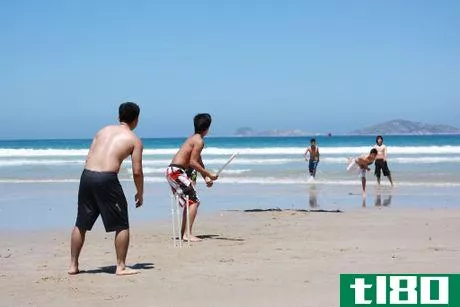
[362, 164]
[313, 161]
[100, 192]
[381, 164]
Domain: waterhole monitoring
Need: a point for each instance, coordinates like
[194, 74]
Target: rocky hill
[400, 126]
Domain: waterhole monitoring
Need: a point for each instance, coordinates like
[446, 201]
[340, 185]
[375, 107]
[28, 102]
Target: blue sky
[318, 66]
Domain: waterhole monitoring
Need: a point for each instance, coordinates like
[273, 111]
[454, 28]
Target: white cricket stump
[176, 218]
[187, 225]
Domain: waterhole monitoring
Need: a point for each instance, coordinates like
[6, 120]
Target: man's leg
[193, 210]
[121, 248]
[311, 168]
[387, 173]
[391, 180]
[363, 184]
[315, 166]
[77, 239]
[378, 172]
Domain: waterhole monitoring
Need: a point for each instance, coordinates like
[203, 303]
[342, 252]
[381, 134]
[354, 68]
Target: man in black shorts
[381, 165]
[100, 192]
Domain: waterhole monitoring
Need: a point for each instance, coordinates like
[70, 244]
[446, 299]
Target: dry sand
[246, 259]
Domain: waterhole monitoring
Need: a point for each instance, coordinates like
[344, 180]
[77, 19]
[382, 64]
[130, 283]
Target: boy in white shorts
[362, 164]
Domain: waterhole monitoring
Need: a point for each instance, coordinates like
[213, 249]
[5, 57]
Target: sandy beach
[283, 258]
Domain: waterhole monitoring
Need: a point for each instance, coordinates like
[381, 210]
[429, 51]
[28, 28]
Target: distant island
[400, 126]
[247, 131]
[392, 127]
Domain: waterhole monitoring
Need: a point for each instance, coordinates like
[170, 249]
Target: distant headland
[406, 127]
[247, 131]
[392, 127]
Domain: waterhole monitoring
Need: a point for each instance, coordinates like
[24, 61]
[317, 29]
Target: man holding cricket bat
[189, 156]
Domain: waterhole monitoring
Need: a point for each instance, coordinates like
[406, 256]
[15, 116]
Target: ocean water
[39, 178]
[413, 160]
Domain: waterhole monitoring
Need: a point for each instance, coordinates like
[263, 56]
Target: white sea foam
[427, 160]
[219, 162]
[149, 170]
[25, 152]
[346, 150]
[253, 180]
[400, 150]
[19, 162]
[39, 180]
[293, 181]
[403, 160]
[162, 163]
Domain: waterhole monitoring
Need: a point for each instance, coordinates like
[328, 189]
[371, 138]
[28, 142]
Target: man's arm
[138, 174]
[385, 153]
[208, 180]
[195, 159]
[306, 152]
[202, 165]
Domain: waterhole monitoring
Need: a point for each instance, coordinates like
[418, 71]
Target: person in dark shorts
[314, 158]
[100, 192]
[381, 164]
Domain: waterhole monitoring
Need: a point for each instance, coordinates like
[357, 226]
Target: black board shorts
[100, 193]
[381, 165]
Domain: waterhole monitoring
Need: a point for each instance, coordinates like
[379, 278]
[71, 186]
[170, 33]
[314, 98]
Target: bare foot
[73, 270]
[191, 239]
[126, 271]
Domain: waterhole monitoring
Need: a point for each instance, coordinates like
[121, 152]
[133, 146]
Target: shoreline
[37, 206]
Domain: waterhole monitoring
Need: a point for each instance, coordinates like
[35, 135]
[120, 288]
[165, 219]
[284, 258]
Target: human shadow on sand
[112, 268]
[218, 237]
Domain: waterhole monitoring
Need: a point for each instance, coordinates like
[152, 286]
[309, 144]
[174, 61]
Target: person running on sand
[189, 156]
[100, 192]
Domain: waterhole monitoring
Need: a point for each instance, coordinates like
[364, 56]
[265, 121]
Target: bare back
[365, 161]
[184, 155]
[314, 152]
[111, 145]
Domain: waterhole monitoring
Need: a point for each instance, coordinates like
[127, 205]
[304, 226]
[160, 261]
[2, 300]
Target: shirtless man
[314, 158]
[381, 164]
[362, 163]
[100, 192]
[189, 156]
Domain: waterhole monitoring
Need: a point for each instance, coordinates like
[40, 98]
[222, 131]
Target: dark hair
[128, 112]
[312, 140]
[373, 151]
[377, 138]
[202, 122]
